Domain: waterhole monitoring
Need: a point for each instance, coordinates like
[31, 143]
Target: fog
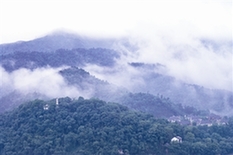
[44, 81]
[192, 39]
[194, 60]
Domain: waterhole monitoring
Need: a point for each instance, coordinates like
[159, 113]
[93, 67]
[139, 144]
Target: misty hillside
[63, 64]
[76, 82]
[181, 92]
[58, 58]
[55, 41]
[82, 127]
[158, 106]
[92, 85]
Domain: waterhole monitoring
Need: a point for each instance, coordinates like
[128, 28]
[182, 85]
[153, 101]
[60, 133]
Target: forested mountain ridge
[54, 41]
[219, 101]
[62, 57]
[98, 88]
[112, 73]
[75, 78]
[65, 126]
[159, 106]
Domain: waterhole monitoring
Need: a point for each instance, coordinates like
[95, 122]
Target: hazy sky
[27, 19]
[170, 32]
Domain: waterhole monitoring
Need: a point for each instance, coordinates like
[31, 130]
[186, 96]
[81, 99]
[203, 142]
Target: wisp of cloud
[45, 81]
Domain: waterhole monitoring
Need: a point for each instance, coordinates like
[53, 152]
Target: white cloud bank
[166, 31]
[44, 81]
[199, 61]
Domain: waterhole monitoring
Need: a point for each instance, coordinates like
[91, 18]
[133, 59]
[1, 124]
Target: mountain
[75, 57]
[55, 41]
[64, 126]
[158, 106]
[63, 64]
[75, 78]
[181, 92]
[83, 81]
[88, 83]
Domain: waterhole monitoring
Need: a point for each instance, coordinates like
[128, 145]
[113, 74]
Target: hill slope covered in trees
[95, 127]
[112, 72]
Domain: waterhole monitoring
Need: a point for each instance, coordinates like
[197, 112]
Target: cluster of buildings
[199, 120]
[46, 106]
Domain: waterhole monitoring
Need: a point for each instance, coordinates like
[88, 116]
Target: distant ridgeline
[159, 106]
[83, 127]
[61, 57]
[108, 55]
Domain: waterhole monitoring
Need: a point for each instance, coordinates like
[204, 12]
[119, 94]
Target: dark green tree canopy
[95, 127]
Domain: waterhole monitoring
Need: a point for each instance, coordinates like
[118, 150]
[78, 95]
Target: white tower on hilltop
[57, 102]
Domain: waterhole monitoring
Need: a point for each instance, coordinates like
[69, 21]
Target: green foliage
[85, 127]
[158, 106]
[74, 57]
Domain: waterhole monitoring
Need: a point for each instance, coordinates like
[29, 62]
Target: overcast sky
[27, 19]
[167, 31]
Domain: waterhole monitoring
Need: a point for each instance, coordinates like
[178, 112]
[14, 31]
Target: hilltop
[99, 68]
[93, 126]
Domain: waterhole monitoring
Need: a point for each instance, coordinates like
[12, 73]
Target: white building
[176, 139]
[46, 107]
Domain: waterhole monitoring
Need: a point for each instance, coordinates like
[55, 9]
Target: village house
[176, 139]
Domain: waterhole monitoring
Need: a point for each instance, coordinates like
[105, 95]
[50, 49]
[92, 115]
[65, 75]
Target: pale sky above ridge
[169, 32]
[27, 19]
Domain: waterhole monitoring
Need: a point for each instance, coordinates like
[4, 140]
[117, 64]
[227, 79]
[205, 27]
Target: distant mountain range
[73, 54]
[55, 41]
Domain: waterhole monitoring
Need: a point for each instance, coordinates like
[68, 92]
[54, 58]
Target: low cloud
[45, 81]
[191, 61]
[202, 61]
[192, 39]
[122, 75]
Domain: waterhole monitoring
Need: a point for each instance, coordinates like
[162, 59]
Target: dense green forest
[84, 127]
[60, 57]
[159, 106]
